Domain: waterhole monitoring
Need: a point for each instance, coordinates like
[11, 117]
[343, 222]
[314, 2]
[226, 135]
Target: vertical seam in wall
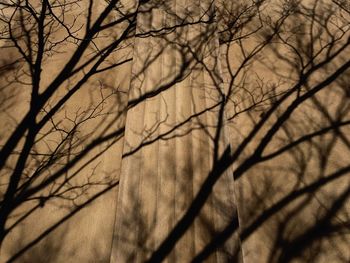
[228, 140]
[200, 89]
[175, 144]
[211, 149]
[159, 171]
[191, 168]
[217, 254]
[121, 184]
[141, 173]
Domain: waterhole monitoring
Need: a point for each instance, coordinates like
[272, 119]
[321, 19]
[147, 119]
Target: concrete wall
[150, 142]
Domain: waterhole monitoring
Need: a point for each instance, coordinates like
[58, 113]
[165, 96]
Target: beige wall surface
[293, 199]
[164, 168]
[174, 131]
[70, 215]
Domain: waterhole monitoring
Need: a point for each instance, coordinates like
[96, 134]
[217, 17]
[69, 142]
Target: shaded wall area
[176, 131]
[173, 140]
[288, 69]
[63, 129]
